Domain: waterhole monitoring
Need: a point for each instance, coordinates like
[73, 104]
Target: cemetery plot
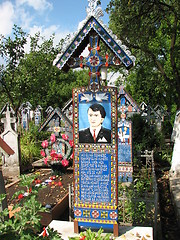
[56, 188]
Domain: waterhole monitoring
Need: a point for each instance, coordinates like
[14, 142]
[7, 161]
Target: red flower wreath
[53, 156]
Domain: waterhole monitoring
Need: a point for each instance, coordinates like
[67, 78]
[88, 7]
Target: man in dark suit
[95, 133]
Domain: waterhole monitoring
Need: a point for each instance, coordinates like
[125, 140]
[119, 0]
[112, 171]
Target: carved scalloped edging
[91, 11]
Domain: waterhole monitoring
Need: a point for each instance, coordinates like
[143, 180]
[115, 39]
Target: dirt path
[170, 230]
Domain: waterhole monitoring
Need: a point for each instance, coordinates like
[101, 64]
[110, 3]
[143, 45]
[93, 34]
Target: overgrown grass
[30, 144]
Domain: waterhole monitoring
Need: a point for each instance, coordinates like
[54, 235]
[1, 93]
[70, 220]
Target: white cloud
[38, 5]
[7, 15]
[46, 33]
[24, 18]
[17, 12]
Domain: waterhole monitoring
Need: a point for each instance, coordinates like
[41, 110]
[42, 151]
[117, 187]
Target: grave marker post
[95, 162]
[37, 115]
[11, 164]
[126, 106]
[95, 124]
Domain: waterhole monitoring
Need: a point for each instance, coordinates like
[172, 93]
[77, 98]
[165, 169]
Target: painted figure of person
[122, 134]
[95, 133]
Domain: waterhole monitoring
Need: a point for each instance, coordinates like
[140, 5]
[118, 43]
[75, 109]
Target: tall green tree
[31, 76]
[12, 51]
[151, 31]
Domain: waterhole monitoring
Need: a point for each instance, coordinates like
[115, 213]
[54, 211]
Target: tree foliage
[151, 30]
[31, 76]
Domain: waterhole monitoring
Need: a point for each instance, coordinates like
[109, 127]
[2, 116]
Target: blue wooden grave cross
[94, 62]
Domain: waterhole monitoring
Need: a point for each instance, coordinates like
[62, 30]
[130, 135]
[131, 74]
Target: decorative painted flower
[94, 60]
[64, 136]
[53, 138]
[43, 154]
[65, 163]
[45, 144]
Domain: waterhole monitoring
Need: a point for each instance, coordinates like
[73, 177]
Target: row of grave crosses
[151, 115]
[26, 115]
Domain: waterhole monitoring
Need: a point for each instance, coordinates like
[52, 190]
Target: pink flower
[53, 178]
[54, 155]
[65, 163]
[43, 153]
[45, 160]
[44, 144]
[71, 143]
[82, 238]
[60, 156]
[53, 138]
[65, 137]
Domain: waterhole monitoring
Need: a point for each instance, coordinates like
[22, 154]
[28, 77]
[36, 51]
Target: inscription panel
[95, 177]
[124, 153]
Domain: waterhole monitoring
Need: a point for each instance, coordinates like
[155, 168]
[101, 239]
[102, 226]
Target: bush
[89, 235]
[145, 136]
[25, 224]
[136, 204]
[30, 142]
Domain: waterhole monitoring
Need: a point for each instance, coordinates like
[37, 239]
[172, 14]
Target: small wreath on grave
[57, 152]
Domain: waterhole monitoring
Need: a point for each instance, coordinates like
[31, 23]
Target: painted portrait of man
[95, 132]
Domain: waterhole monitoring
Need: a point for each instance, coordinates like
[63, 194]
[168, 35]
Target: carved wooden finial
[93, 9]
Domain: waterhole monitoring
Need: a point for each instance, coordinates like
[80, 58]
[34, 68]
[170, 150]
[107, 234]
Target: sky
[61, 17]
[45, 16]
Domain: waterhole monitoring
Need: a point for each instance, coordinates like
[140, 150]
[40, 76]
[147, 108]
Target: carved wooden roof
[78, 42]
[129, 100]
[62, 116]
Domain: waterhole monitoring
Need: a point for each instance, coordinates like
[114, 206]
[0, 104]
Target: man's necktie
[94, 135]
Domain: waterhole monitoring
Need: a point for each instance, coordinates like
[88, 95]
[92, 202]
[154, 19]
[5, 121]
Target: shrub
[25, 224]
[30, 142]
